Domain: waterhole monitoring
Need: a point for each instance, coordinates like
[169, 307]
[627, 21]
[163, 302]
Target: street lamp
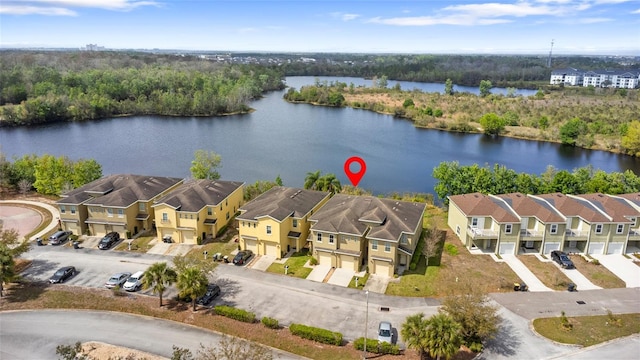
[366, 323]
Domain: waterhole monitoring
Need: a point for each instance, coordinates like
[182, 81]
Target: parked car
[117, 280]
[59, 237]
[385, 333]
[213, 291]
[134, 282]
[562, 259]
[242, 257]
[108, 240]
[62, 274]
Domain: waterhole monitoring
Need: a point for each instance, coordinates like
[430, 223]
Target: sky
[581, 27]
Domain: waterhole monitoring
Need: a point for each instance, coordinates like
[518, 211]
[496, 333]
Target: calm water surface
[290, 140]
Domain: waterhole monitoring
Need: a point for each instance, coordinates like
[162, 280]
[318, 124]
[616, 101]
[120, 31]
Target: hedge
[316, 334]
[270, 322]
[233, 313]
[376, 347]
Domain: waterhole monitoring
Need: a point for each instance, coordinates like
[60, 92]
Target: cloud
[66, 7]
[636, 11]
[345, 17]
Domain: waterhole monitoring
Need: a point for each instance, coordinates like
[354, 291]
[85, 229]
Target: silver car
[117, 280]
[385, 333]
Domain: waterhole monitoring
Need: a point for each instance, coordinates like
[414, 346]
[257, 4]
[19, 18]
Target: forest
[60, 86]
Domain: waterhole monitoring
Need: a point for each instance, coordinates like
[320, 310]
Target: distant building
[92, 47]
[621, 79]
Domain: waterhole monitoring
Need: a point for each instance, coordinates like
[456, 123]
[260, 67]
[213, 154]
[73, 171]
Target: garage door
[188, 237]
[98, 230]
[382, 268]
[615, 248]
[325, 258]
[120, 230]
[251, 244]
[271, 250]
[596, 248]
[551, 246]
[73, 227]
[507, 248]
[348, 263]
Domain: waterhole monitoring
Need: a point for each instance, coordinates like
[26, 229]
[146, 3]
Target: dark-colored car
[562, 259]
[59, 237]
[117, 280]
[109, 239]
[213, 291]
[62, 274]
[242, 257]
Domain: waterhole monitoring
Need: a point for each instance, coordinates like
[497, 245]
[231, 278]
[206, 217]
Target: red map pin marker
[355, 176]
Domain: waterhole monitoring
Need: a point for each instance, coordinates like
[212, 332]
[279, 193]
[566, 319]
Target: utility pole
[550, 51]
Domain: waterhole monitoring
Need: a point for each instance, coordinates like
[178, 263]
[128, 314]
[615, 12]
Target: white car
[134, 282]
[385, 333]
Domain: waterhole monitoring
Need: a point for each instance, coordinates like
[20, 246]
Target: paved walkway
[524, 273]
[622, 267]
[55, 213]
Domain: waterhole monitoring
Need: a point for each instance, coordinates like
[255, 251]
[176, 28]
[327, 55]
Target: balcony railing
[576, 233]
[531, 233]
[634, 234]
[479, 233]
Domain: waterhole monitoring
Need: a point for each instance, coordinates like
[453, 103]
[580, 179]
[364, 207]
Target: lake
[290, 140]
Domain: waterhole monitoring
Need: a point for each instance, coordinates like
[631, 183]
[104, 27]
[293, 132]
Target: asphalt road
[292, 300]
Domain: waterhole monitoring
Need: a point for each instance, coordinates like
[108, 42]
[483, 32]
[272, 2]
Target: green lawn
[418, 282]
[361, 281]
[588, 330]
[140, 244]
[296, 265]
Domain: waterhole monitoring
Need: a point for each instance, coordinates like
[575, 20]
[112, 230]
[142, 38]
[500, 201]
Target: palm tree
[413, 332]
[192, 283]
[443, 336]
[158, 277]
[311, 180]
[329, 182]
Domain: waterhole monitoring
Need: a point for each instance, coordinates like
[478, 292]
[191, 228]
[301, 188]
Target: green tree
[205, 165]
[85, 171]
[192, 283]
[23, 168]
[408, 103]
[414, 333]
[278, 180]
[448, 87]
[564, 182]
[492, 124]
[158, 277]
[570, 131]
[330, 183]
[443, 336]
[10, 248]
[311, 180]
[53, 175]
[631, 140]
[477, 317]
[485, 88]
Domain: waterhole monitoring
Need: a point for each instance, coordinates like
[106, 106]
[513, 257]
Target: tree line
[65, 87]
[456, 179]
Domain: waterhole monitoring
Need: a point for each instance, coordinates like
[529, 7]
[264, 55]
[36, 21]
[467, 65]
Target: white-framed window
[165, 217]
[268, 229]
[110, 212]
[63, 209]
[331, 239]
[295, 223]
[142, 207]
[619, 228]
[319, 237]
[403, 239]
[209, 211]
[73, 209]
[633, 221]
[387, 247]
[374, 244]
[554, 228]
[474, 222]
[508, 228]
[598, 228]
[120, 213]
[458, 229]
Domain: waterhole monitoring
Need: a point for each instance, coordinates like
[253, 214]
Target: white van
[134, 282]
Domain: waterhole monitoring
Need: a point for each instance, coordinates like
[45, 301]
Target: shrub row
[376, 347]
[236, 314]
[270, 322]
[316, 334]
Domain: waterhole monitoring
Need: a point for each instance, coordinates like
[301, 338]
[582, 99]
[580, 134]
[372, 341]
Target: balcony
[575, 234]
[634, 234]
[527, 233]
[482, 233]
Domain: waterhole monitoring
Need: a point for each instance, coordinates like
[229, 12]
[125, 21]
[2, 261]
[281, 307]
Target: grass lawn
[361, 282]
[597, 274]
[589, 330]
[547, 272]
[140, 244]
[224, 248]
[296, 265]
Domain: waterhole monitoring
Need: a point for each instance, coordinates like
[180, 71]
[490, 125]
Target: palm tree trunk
[160, 299]
[194, 304]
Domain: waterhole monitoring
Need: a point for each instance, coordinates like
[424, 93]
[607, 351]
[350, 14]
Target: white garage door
[251, 244]
[98, 230]
[271, 250]
[507, 248]
[615, 248]
[382, 268]
[73, 227]
[188, 238]
[551, 246]
[348, 262]
[324, 258]
[596, 248]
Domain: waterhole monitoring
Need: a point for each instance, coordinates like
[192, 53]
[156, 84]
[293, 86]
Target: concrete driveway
[524, 273]
[341, 277]
[318, 273]
[577, 278]
[622, 267]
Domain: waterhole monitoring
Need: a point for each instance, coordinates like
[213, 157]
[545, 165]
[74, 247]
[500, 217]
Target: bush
[451, 249]
[316, 334]
[313, 261]
[376, 347]
[236, 314]
[271, 323]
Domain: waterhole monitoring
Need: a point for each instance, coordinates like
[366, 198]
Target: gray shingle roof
[195, 195]
[350, 214]
[281, 202]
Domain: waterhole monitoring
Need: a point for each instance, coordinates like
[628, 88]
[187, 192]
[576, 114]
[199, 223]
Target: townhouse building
[621, 79]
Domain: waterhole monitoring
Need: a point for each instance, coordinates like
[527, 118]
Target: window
[120, 213]
[110, 212]
[331, 239]
[458, 229]
[554, 228]
[620, 228]
[165, 217]
[387, 247]
[403, 239]
[474, 222]
[374, 244]
[73, 209]
[633, 221]
[227, 215]
[220, 207]
[254, 225]
[268, 229]
[319, 237]
[295, 223]
[209, 211]
[141, 207]
[508, 228]
[598, 228]
[226, 202]
[62, 209]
